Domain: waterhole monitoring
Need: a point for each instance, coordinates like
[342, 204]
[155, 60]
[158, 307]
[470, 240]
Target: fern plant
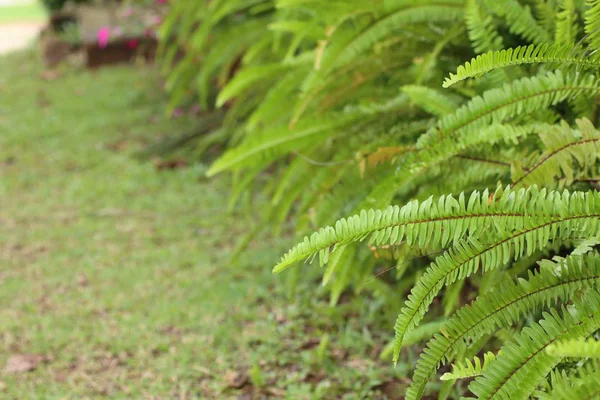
[354, 106]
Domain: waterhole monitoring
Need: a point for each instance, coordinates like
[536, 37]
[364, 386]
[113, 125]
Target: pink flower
[103, 36]
[161, 1]
[133, 43]
[178, 112]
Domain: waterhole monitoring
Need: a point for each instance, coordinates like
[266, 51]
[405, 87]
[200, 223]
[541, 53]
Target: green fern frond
[482, 31]
[559, 55]
[582, 383]
[520, 97]
[249, 76]
[452, 146]
[279, 139]
[582, 389]
[592, 23]
[566, 23]
[545, 13]
[520, 20]
[414, 12]
[431, 223]
[392, 225]
[469, 369]
[575, 348]
[430, 99]
[265, 147]
[524, 363]
[415, 336]
[586, 246]
[503, 306]
[269, 111]
[468, 257]
[566, 151]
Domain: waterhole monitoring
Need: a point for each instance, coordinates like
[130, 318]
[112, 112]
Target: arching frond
[448, 219]
[430, 100]
[249, 76]
[582, 383]
[414, 12]
[469, 369]
[504, 306]
[520, 97]
[558, 55]
[277, 140]
[520, 20]
[575, 348]
[454, 145]
[567, 150]
[481, 28]
[523, 363]
[312, 91]
[468, 257]
[566, 23]
[592, 23]
[545, 13]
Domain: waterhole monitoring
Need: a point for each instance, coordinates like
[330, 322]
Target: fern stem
[484, 160]
[525, 361]
[438, 349]
[552, 154]
[284, 265]
[514, 101]
[402, 327]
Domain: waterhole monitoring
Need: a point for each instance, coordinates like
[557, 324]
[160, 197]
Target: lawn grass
[119, 275]
[23, 13]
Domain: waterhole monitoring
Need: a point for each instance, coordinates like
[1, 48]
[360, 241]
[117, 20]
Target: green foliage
[575, 348]
[344, 103]
[505, 306]
[523, 363]
[581, 383]
[482, 30]
[469, 369]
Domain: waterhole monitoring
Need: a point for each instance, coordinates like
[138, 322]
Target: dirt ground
[18, 35]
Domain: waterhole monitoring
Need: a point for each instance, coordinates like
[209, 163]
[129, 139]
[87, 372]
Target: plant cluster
[355, 106]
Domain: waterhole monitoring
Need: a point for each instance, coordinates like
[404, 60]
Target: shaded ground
[115, 277]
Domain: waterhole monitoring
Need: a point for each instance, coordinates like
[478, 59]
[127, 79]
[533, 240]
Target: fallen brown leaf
[310, 344]
[169, 164]
[236, 380]
[314, 377]
[24, 362]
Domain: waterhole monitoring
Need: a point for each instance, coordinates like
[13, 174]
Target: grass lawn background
[22, 13]
[118, 275]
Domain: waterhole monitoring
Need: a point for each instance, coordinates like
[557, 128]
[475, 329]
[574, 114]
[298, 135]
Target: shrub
[345, 100]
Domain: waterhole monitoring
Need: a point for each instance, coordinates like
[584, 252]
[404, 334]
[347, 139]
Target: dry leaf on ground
[24, 362]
